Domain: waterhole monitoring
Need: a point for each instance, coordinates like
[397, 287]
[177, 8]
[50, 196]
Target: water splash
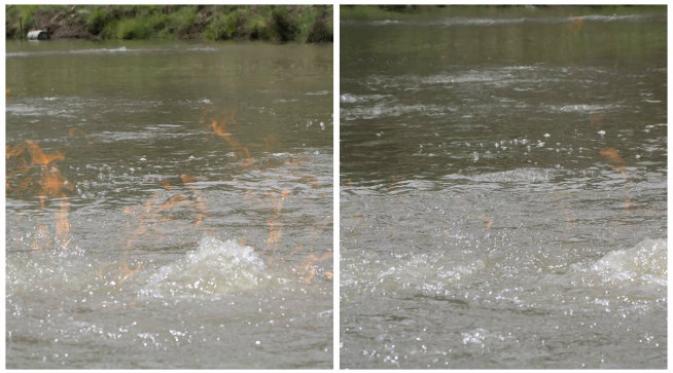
[214, 268]
[643, 265]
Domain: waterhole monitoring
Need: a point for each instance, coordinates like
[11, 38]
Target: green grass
[291, 23]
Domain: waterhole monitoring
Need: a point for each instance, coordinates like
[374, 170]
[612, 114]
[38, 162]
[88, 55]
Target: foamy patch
[107, 51]
[644, 264]
[348, 98]
[410, 275]
[519, 175]
[392, 110]
[215, 267]
[505, 21]
[472, 76]
[582, 108]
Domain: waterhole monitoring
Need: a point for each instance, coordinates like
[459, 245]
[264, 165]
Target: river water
[169, 205]
[504, 189]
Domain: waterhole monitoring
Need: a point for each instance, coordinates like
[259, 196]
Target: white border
[336, 143]
[336, 219]
[3, 100]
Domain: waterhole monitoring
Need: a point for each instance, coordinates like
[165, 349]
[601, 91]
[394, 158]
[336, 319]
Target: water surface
[195, 181]
[504, 189]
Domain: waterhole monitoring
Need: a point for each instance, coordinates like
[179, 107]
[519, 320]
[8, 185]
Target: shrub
[282, 27]
[320, 31]
[257, 28]
[224, 26]
[96, 20]
[182, 20]
[133, 28]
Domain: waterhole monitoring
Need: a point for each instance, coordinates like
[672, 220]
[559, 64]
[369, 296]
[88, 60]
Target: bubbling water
[214, 268]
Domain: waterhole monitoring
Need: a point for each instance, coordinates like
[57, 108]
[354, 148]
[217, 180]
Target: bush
[224, 26]
[257, 28]
[215, 22]
[96, 20]
[320, 32]
[133, 28]
[282, 27]
[182, 20]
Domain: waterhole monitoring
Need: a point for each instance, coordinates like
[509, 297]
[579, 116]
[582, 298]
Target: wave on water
[643, 265]
[215, 267]
[412, 274]
[519, 176]
[348, 98]
[634, 276]
[68, 51]
[104, 51]
[394, 110]
[503, 21]
[582, 108]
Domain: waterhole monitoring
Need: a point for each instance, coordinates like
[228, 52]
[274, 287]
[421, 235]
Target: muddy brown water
[187, 248]
[504, 189]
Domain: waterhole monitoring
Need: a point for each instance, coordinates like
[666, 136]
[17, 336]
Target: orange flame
[63, 224]
[199, 202]
[618, 164]
[488, 222]
[308, 268]
[613, 157]
[171, 202]
[275, 228]
[221, 129]
[53, 184]
[39, 157]
[14, 151]
[41, 237]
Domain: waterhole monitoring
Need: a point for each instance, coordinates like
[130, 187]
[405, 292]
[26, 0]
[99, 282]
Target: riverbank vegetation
[398, 12]
[290, 23]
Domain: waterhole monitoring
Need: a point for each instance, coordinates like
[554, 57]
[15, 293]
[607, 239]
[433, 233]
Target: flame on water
[308, 268]
[199, 202]
[39, 157]
[155, 207]
[488, 222]
[618, 164]
[275, 227]
[63, 224]
[221, 129]
[32, 169]
[612, 156]
[51, 184]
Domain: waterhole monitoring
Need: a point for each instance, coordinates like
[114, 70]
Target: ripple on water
[630, 277]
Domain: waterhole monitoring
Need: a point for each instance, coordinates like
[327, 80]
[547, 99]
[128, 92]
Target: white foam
[215, 267]
[643, 264]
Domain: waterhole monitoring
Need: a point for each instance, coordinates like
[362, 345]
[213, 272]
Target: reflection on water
[169, 205]
[504, 189]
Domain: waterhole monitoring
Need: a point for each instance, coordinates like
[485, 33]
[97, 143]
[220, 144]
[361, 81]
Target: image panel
[169, 186]
[503, 187]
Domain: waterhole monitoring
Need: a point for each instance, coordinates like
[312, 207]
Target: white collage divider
[336, 132]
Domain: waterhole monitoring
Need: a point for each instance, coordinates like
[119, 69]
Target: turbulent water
[504, 189]
[186, 210]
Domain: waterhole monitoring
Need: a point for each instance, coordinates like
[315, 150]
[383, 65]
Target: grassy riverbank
[398, 12]
[292, 23]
